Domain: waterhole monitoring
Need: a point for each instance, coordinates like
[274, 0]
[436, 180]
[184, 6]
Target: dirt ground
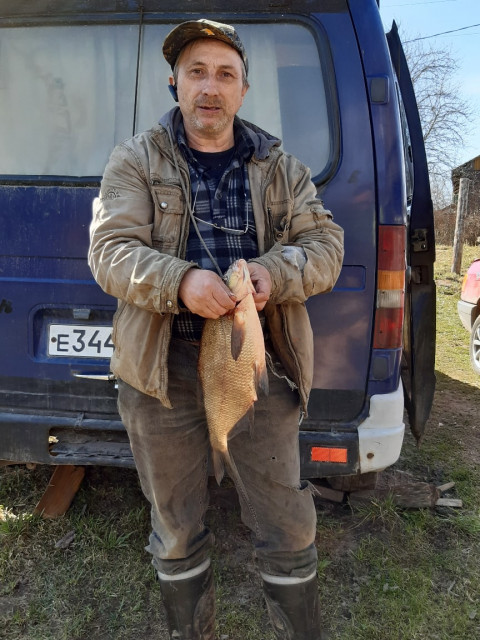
[453, 423]
[355, 583]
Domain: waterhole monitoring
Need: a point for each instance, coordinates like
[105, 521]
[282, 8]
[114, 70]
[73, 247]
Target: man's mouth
[209, 107]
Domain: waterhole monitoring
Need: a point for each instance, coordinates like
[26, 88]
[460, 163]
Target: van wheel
[475, 346]
[360, 482]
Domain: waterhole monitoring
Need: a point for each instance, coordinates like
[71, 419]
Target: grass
[452, 340]
[416, 574]
[97, 587]
[385, 573]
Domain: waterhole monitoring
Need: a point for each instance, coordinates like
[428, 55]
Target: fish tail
[242, 490]
[218, 465]
[220, 453]
[222, 459]
[233, 471]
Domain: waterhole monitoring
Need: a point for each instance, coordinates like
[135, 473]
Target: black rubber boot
[190, 606]
[294, 610]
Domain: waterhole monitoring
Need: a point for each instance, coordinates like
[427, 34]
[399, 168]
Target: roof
[473, 164]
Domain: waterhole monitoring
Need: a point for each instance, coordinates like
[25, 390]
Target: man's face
[210, 87]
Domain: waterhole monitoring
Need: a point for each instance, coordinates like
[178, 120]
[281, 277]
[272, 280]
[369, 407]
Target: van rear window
[66, 97]
[67, 93]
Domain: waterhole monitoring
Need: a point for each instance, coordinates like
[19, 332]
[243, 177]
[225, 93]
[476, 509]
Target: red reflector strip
[388, 328]
[391, 248]
[328, 454]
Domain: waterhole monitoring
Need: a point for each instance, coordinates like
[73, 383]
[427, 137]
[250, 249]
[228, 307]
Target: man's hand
[203, 292]
[262, 282]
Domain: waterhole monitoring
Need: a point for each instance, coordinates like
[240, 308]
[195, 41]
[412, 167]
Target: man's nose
[210, 85]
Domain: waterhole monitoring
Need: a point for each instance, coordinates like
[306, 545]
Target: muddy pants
[171, 451]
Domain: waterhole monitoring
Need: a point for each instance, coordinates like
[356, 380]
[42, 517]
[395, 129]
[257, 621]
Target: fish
[232, 367]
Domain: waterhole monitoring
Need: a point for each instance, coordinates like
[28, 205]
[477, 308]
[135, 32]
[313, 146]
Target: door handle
[109, 377]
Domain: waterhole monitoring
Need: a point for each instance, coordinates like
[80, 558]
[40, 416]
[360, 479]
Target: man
[178, 204]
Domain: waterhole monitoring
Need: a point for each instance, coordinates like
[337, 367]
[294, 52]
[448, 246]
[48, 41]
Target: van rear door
[418, 364]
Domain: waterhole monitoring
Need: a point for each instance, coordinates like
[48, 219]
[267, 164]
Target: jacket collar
[261, 141]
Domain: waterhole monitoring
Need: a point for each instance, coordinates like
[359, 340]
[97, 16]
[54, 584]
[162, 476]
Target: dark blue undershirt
[214, 163]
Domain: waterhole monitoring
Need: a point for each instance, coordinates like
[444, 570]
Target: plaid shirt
[225, 202]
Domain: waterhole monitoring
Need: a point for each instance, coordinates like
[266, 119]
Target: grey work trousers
[171, 451]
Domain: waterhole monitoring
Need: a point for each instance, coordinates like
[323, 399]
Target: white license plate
[81, 341]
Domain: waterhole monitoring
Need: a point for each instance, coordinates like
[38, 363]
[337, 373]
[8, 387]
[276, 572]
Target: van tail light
[390, 288]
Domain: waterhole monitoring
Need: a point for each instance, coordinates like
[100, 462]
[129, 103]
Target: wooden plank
[357, 482]
[61, 490]
[445, 487]
[419, 497]
[402, 488]
[326, 493]
[449, 502]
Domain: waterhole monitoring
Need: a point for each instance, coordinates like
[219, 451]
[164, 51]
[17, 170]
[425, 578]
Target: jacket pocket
[169, 211]
[280, 217]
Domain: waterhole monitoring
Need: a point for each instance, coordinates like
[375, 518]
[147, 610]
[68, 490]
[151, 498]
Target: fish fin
[244, 424]
[218, 466]
[238, 334]
[261, 379]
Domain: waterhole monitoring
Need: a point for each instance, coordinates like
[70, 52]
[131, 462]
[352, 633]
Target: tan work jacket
[138, 241]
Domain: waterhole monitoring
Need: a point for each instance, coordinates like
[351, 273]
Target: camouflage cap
[195, 29]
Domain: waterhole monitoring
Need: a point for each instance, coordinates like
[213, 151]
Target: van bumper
[52, 439]
[380, 436]
[372, 445]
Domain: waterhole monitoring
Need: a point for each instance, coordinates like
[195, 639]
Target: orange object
[328, 454]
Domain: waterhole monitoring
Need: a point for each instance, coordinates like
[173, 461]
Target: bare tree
[444, 113]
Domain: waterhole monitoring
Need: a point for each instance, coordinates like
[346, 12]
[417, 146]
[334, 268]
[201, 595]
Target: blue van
[76, 78]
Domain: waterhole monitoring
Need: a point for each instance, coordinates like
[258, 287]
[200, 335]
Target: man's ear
[172, 88]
